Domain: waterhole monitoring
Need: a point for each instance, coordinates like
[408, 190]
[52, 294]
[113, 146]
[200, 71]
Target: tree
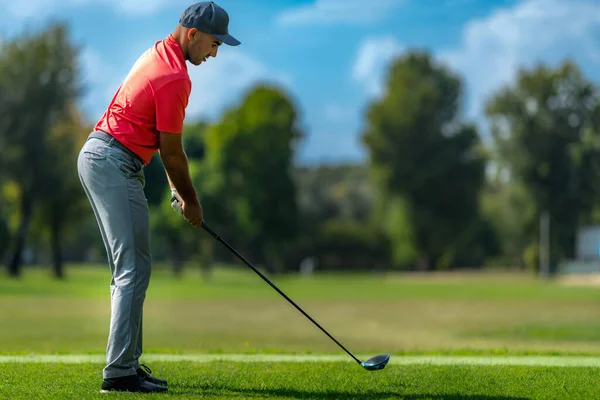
[194, 138]
[546, 130]
[62, 202]
[425, 160]
[335, 204]
[251, 151]
[38, 81]
[4, 231]
[334, 191]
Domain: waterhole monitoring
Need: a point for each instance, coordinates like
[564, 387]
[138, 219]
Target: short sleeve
[171, 101]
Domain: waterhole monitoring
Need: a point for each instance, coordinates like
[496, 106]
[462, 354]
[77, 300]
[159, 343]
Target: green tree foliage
[38, 82]
[156, 183]
[62, 204]
[424, 155]
[546, 131]
[345, 244]
[4, 232]
[335, 203]
[391, 218]
[250, 153]
[193, 139]
[511, 211]
[334, 191]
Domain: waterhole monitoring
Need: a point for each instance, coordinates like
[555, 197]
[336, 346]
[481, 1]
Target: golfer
[145, 116]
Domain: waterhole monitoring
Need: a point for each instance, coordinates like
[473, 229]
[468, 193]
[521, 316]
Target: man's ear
[191, 33]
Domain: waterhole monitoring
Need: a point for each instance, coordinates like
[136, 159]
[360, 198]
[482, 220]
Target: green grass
[242, 283]
[483, 316]
[584, 332]
[236, 312]
[326, 380]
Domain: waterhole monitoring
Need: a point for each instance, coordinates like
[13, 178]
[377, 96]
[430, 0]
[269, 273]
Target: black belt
[108, 138]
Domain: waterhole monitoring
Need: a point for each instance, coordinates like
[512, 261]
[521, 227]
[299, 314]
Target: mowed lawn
[340, 381]
[236, 313]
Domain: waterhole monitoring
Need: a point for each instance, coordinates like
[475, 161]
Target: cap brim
[228, 39]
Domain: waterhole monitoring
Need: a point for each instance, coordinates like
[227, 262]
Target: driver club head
[376, 362]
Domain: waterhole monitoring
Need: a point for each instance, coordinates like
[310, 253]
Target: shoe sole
[123, 391]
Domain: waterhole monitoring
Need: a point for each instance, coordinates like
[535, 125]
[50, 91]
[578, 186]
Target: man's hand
[192, 212]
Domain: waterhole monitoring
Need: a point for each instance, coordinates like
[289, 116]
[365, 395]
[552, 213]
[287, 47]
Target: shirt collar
[176, 48]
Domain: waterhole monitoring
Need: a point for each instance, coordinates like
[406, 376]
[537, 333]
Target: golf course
[230, 335]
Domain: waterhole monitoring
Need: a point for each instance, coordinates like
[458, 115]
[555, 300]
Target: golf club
[372, 364]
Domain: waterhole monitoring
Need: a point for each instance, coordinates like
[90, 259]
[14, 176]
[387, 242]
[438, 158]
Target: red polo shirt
[153, 98]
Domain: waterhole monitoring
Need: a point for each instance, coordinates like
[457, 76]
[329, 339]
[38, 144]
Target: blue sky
[330, 55]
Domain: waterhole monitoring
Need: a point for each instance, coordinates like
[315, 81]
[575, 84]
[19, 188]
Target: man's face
[201, 46]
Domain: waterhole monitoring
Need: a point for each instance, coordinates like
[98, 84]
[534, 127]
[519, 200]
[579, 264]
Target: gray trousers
[113, 181]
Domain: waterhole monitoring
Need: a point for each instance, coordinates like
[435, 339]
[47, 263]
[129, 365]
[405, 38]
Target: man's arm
[176, 166]
[170, 101]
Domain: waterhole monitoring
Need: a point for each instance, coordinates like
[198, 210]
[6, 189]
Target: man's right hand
[192, 212]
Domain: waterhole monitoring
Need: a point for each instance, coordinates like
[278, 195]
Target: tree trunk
[272, 261]
[177, 265]
[14, 266]
[177, 259]
[206, 259]
[423, 263]
[205, 271]
[56, 247]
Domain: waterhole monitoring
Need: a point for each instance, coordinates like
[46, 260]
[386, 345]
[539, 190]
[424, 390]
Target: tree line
[432, 195]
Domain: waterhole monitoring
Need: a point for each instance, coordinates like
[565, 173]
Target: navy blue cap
[209, 18]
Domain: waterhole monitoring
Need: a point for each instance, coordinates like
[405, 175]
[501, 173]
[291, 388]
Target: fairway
[549, 361]
[236, 312]
[461, 336]
[229, 379]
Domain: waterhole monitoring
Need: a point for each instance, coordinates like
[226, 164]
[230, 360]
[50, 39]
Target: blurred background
[432, 163]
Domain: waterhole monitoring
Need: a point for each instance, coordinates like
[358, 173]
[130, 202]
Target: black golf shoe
[131, 383]
[144, 372]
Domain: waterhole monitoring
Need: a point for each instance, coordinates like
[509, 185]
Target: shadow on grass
[332, 395]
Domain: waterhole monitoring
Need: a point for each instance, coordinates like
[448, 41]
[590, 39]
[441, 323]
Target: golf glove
[176, 201]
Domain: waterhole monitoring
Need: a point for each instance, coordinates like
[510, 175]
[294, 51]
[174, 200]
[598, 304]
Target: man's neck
[180, 37]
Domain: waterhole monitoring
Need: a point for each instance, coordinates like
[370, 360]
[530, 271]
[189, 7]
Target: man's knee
[126, 277]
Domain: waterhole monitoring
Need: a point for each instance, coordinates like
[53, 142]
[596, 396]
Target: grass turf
[91, 282]
[326, 380]
[235, 311]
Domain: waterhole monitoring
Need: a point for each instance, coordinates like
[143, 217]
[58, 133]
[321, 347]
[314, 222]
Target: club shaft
[218, 238]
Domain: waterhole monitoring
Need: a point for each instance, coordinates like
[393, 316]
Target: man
[145, 116]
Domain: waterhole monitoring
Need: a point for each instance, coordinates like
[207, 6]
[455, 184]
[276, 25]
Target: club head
[376, 362]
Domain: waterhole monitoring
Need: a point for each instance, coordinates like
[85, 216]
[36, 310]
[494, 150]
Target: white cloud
[222, 80]
[338, 11]
[372, 60]
[533, 31]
